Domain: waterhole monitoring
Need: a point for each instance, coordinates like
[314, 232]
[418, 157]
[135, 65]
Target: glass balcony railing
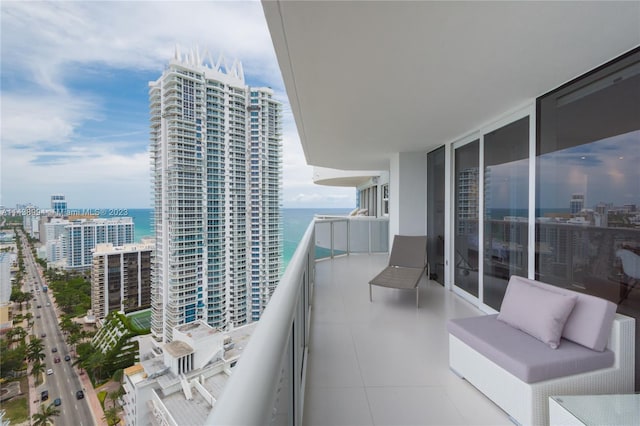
[267, 386]
[339, 235]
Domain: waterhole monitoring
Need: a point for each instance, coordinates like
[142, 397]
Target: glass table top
[619, 410]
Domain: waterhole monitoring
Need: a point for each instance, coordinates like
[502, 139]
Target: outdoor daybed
[545, 341]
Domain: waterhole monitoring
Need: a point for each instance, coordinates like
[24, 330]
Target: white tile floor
[385, 362]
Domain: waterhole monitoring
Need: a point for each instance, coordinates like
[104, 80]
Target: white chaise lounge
[593, 354]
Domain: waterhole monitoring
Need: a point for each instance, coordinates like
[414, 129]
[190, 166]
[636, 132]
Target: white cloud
[50, 118]
[44, 46]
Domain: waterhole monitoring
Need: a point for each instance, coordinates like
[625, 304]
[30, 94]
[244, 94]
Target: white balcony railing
[336, 235]
[267, 386]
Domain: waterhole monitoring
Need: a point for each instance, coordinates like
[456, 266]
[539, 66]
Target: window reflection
[588, 186]
[466, 217]
[588, 220]
[506, 212]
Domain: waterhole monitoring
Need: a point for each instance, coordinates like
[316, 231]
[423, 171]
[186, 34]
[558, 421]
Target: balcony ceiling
[367, 79]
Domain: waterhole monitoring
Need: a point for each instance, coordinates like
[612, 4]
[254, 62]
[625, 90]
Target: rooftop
[196, 330]
[195, 410]
[178, 349]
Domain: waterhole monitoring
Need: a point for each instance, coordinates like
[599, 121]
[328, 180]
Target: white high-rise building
[81, 236]
[5, 278]
[217, 175]
[5, 291]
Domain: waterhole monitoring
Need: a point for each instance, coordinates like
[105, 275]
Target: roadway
[64, 382]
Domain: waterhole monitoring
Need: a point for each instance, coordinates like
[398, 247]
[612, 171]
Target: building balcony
[349, 360]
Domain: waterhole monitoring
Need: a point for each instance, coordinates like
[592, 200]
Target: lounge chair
[631, 268]
[407, 263]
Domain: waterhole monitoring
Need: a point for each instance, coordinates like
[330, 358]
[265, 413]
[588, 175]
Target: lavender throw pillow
[538, 312]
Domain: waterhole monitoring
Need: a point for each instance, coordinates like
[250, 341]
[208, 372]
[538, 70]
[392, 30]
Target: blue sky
[74, 96]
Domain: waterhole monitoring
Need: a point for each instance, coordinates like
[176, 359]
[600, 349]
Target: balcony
[348, 360]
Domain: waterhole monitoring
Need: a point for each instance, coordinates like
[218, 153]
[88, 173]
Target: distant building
[177, 383]
[216, 155]
[5, 278]
[467, 203]
[52, 238]
[5, 290]
[31, 221]
[576, 204]
[121, 278]
[74, 246]
[59, 204]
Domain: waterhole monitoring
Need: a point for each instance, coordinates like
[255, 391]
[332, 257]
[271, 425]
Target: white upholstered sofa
[545, 341]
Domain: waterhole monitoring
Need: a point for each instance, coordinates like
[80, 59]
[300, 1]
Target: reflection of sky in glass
[507, 185]
[606, 171]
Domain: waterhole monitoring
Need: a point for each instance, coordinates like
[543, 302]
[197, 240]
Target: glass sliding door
[435, 213]
[466, 215]
[588, 187]
[506, 200]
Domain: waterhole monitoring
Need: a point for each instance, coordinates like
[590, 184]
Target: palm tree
[115, 395]
[37, 369]
[12, 333]
[43, 417]
[112, 415]
[29, 318]
[35, 350]
[95, 364]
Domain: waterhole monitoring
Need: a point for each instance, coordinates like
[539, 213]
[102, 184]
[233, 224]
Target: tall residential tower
[217, 177]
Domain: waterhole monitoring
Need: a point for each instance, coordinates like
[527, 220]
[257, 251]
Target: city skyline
[75, 96]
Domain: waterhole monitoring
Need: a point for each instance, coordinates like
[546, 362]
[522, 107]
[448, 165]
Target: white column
[408, 194]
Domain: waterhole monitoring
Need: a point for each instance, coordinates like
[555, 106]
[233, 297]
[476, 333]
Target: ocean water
[294, 225]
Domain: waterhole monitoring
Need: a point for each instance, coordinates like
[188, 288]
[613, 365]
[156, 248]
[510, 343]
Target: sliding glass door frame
[450, 273]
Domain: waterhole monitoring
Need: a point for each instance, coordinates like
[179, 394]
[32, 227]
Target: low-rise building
[178, 383]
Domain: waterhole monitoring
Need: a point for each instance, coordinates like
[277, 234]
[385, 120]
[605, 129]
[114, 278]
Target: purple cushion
[524, 356]
[538, 312]
[590, 321]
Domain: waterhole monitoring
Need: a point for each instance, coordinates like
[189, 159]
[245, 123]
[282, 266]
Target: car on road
[44, 395]
[49, 371]
[57, 402]
[67, 358]
[39, 306]
[48, 304]
[79, 394]
[43, 335]
[37, 316]
[54, 349]
[56, 359]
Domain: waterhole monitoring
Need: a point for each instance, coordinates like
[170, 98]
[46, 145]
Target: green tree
[112, 415]
[37, 369]
[95, 364]
[16, 334]
[45, 415]
[20, 296]
[35, 350]
[11, 359]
